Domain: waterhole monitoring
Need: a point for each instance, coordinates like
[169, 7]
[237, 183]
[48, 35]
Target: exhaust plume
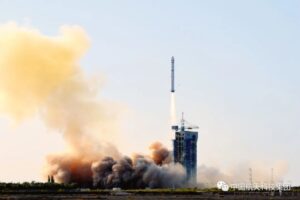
[154, 171]
[173, 109]
[41, 75]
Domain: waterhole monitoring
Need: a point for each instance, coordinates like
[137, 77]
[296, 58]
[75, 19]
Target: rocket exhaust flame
[173, 109]
[41, 74]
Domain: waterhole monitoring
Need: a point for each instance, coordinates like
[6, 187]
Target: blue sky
[237, 69]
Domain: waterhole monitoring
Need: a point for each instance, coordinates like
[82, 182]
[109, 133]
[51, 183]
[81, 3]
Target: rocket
[172, 74]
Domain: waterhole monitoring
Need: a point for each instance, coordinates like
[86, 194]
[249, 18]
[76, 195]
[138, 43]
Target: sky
[237, 69]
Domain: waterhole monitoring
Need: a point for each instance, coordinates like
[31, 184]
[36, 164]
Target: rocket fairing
[172, 74]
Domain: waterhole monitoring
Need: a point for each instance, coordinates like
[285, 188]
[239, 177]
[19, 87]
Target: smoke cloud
[139, 172]
[33, 66]
[41, 75]
[208, 176]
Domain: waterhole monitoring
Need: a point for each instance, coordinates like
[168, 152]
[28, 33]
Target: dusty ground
[260, 196]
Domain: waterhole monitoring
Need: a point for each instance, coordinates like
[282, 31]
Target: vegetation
[170, 190]
[51, 186]
[36, 186]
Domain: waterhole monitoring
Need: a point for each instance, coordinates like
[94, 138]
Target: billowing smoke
[76, 167]
[160, 155]
[41, 75]
[139, 172]
[154, 171]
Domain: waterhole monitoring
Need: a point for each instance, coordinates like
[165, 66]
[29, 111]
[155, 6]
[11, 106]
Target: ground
[156, 196]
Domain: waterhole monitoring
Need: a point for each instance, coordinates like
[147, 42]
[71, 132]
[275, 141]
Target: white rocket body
[172, 74]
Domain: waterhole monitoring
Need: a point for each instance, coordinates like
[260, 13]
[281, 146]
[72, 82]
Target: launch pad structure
[185, 141]
[185, 149]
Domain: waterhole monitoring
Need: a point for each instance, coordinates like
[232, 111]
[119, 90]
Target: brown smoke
[41, 75]
[160, 154]
[75, 167]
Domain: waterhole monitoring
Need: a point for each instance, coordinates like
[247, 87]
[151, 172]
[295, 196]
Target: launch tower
[185, 149]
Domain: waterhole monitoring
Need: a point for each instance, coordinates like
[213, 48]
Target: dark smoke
[155, 171]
